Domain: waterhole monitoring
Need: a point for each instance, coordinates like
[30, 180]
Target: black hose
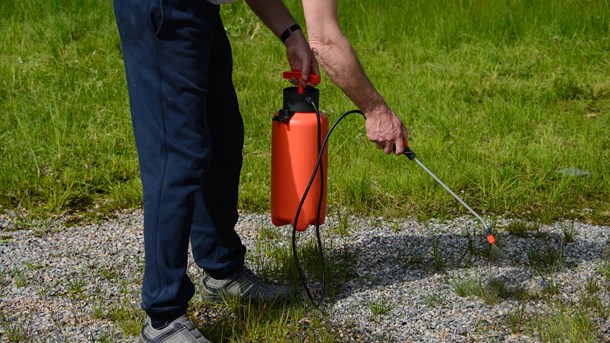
[298, 212]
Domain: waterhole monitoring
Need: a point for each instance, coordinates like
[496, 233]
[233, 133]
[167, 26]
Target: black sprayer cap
[300, 102]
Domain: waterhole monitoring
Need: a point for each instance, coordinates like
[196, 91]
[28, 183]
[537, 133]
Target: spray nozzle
[491, 239]
[313, 79]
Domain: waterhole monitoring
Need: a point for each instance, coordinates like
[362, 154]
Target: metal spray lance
[495, 251]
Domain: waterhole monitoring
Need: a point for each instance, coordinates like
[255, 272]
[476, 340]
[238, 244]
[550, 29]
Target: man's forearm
[273, 13]
[341, 64]
[337, 57]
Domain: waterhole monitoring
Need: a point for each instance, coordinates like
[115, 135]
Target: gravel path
[64, 283]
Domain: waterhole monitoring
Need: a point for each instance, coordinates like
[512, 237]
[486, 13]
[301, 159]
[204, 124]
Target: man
[189, 138]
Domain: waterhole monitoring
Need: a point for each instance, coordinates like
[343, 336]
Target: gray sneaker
[180, 330]
[244, 284]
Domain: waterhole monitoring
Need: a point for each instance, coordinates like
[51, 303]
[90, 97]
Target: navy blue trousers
[189, 137]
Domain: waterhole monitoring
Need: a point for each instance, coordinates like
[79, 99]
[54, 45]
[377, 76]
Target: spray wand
[495, 251]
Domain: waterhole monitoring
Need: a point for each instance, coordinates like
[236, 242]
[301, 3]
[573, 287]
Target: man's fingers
[401, 143]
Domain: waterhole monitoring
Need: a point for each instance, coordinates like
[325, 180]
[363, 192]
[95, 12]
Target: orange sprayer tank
[293, 158]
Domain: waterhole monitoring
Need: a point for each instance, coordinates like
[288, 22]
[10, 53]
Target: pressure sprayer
[296, 143]
[299, 165]
[298, 160]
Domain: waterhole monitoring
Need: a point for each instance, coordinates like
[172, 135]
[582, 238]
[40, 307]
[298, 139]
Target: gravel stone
[61, 283]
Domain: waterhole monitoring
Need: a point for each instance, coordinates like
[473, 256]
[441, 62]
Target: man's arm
[277, 18]
[337, 57]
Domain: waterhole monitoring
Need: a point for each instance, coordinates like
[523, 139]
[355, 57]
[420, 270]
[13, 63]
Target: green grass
[521, 228]
[566, 325]
[239, 322]
[497, 95]
[380, 307]
[489, 292]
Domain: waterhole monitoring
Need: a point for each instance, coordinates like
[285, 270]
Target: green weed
[127, 316]
[569, 232]
[604, 268]
[521, 228]
[19, 277]
[380, 307]
[438, 261]
[277, 261]
[235, 320]
[545, 259]
[516, 319]
[464, 287]
[342, 228]
[76, 286]
[565, 326]
[433, 300]
[16, 330]
[489, 291]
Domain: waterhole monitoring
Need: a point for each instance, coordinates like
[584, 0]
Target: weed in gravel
[19, 277]
[5, 238]
[105, 337]
[380, 307]
[464, 287]
[276, 261]
[603, 268]
[341, 229]
[546, 261]
[126, 316]
[433, 300]
[516, 319]
[592, 302]
[550, 286]
[489, 291]
[259, 322]
[591, 285]
[76, 287]
[18, 330]
[472, 247]
[268, 233]
[438, 261]
[108, 273]
[569, 232]
[99, 310]
[565, 325]
[394, 226]
[521, 228]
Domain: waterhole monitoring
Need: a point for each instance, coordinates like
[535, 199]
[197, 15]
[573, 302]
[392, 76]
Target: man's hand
[300, 57]
[386, 130]
[276, 17]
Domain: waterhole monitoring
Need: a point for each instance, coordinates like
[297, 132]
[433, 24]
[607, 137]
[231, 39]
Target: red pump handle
[295, 74]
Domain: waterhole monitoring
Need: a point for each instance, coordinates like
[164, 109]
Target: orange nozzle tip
[491, 239]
